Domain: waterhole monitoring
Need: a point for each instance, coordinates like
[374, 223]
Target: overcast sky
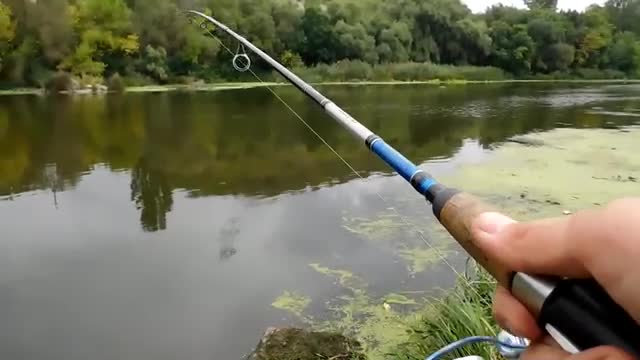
[481, 5]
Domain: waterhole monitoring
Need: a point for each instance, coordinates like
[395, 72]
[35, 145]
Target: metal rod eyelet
[241, 62]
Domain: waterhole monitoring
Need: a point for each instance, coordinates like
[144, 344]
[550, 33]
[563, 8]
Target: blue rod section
[402, 165]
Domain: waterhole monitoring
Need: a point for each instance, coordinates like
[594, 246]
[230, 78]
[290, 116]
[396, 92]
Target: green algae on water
[381, 228]
[577, 169]
[292, 302]
[399, 299]
[406, 240]
[379, 328]
[420, 259]
[345, 278]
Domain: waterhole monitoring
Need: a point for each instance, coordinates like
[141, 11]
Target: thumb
[540, 247]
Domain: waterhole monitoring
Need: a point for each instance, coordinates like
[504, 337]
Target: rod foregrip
[457, 211]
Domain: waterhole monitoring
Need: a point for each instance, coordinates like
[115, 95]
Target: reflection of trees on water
[232, 143]
[152, 195]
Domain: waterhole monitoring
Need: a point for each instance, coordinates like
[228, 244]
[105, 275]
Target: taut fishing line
[505, 343]
[406, 222]
[577, 313]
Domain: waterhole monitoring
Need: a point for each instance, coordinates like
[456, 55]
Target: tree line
[151, 41]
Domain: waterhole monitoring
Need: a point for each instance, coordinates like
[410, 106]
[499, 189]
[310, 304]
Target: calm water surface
[163, 226]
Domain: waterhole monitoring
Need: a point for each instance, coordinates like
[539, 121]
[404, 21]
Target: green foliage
[7, 30]
[559, 56]
[151, 40]
[544, 4]
[291, 59]
[154, 63]
[463, 312]
[357, 70]
[59, 82]
[624, 54]
[513, 48]
[116, 84]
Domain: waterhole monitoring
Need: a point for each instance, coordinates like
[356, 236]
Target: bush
[430, 71]
[90, 80]
[59, 82]
[137, 79]
[355, 70]
[116, 83]
[347, 70]
[597, 74]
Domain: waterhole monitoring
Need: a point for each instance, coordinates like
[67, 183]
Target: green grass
[464, 311]
[201, 87]
[21, 91]
[313, 80]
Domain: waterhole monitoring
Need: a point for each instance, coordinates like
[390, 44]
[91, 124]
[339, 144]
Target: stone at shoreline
[299, 344]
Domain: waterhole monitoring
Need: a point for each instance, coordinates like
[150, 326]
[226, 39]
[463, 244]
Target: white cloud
[481, 5]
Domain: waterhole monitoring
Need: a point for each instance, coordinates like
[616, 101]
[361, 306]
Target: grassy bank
[465, 311]
[250, 85]
[360, 73]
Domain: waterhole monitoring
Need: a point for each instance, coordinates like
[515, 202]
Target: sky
[481, 5]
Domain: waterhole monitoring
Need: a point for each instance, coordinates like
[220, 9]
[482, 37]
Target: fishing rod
[578, 314]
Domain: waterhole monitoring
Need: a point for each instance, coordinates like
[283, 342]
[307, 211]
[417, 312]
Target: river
[165, 225]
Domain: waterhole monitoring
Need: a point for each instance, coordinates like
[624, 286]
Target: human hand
[602, 244]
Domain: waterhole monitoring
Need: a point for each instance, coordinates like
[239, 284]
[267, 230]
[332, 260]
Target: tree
[355, 43]
[594, 36]
[546, 29]
[512, 47]
[92, 39]
[7, 30]
[558, 57]
[319, 38]
[105, 37]
[154, 63]
[624, 15]
[541, 4]
[624, 54]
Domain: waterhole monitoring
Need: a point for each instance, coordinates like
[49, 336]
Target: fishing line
[570, 309]
[406, 222]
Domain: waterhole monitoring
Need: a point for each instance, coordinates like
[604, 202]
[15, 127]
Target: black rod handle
[588, 317]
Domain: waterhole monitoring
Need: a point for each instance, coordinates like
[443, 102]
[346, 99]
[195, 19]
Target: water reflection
[151, 193]
[163, 226]
[245, 143]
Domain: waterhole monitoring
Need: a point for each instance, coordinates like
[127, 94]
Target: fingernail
[493, 223]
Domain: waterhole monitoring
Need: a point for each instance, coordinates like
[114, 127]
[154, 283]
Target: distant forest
[151, 41]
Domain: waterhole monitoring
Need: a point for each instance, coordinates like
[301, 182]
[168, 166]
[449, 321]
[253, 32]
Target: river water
[164, 226]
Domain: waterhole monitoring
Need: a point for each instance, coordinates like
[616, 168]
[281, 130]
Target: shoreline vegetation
[211, 87]
[117, 43]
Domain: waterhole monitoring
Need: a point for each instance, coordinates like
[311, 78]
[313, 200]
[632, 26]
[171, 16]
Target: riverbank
[250, 85]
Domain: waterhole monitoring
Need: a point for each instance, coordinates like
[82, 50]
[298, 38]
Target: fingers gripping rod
[578, 313]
